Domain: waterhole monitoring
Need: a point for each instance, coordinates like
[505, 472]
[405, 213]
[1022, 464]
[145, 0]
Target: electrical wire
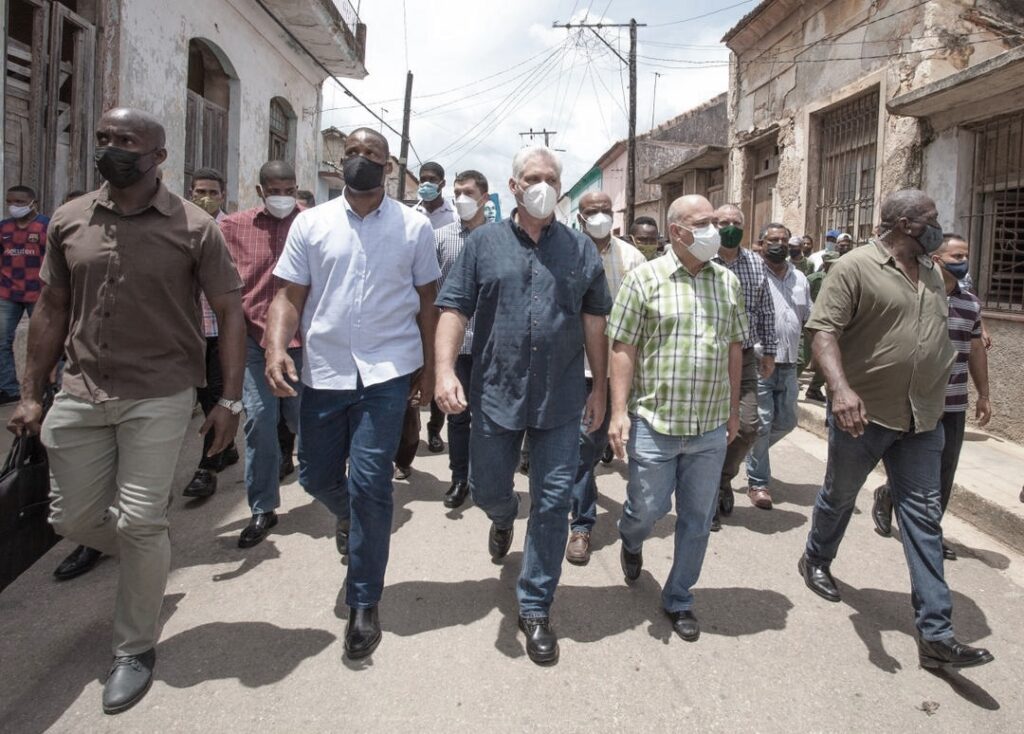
[703, 15]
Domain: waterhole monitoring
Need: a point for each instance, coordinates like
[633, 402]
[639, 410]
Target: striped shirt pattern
[753, 275]
[682, 326]
[451, 241]
[964, 325]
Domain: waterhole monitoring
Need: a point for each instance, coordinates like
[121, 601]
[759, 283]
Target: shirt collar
[671, 264]
[162, 201]
[353, 212]
[522, 234]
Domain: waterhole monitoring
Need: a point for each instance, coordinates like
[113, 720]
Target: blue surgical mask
[429, 191]
[958, 270]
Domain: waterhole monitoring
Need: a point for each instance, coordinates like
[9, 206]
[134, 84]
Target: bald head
[597, 200]
[910, 204]
[373, 138]
[143, 125]
[690, 210]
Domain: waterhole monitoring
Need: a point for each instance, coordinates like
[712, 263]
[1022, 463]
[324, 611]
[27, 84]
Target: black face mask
[796, 253]
[362, 174]
[776, 254]
[118, 166]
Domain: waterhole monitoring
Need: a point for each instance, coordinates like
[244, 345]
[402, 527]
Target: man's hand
[849, 411]
[593, 411]
[224, 424]
[732, 427]
[281, 375]
[448, 393]
[618, 433]
[767, 366]
[422, 388]
[982, 411]
[27, 418]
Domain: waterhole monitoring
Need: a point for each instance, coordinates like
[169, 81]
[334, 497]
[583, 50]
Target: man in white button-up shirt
[361, 271]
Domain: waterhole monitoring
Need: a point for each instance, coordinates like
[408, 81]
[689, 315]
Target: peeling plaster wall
[153, 67]
[823, 53]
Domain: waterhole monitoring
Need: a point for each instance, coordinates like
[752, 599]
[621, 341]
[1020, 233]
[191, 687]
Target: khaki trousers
[111, 469]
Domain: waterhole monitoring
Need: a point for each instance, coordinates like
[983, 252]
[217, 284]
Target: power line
[703, 15]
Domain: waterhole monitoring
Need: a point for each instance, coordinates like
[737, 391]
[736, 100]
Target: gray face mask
[930, 238]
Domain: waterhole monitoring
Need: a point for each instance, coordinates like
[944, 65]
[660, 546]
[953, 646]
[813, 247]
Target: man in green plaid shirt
[678, 327]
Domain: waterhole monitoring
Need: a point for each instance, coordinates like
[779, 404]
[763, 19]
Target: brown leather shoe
[578, 550]
[760, 498]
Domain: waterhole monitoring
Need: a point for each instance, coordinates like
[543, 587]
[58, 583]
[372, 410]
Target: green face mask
[730, 236]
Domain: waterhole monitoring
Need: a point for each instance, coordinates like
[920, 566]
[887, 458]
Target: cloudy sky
[486, 71]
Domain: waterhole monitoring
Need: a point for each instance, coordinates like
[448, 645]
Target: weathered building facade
[235, 82]
[835, 103]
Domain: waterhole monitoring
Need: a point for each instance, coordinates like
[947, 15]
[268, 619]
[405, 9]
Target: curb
[990, 518]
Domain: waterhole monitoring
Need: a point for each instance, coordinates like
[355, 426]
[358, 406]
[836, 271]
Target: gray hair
[525, 155]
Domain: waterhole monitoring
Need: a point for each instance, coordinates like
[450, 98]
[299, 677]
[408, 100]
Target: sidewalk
[986, 492]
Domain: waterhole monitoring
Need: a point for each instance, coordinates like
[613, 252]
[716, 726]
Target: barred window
[846, 174]
[996, 221]
[282, 147]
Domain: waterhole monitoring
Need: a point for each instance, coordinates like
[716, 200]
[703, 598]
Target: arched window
[282, 131]
[207, 110]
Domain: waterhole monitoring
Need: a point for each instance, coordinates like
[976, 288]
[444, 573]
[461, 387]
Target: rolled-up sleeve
[459, 291]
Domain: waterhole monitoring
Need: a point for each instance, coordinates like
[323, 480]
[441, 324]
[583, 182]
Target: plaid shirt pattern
[753, 275]
[256, 240]
[451, 240]
[23, 251]
[682, 326]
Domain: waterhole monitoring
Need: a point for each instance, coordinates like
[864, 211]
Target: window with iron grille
[280, 150]
[846, 167]
[996, 221]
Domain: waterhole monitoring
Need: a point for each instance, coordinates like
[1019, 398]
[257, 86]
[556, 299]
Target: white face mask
[19, 211]
[598, 226]
[280, 206]
[540, 199]
[466, 206]
[705, 242]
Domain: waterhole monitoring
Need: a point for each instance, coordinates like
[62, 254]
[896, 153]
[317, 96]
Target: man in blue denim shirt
[538, 292]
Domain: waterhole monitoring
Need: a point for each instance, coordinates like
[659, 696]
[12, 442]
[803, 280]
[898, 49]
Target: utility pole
[631, 139]
[654, 100]
[403, 156]
[545, 132]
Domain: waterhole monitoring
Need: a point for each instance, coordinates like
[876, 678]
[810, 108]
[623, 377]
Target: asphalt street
[252, 639]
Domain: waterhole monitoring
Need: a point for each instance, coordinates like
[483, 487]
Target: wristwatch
[235, 406]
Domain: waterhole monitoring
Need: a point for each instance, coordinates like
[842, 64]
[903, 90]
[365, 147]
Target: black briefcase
[25, 534]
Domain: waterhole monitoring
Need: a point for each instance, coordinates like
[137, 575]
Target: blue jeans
[776, 409]
[583, 510]
[912, 462]
[688, 467]
[10, 316]
[262, 412]
[554, 457]
[361, 427]
[459, 424]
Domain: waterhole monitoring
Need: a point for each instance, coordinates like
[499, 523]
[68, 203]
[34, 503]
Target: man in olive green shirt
[678, 326]
[881, 339]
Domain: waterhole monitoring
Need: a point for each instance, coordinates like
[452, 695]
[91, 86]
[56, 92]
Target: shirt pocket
[569, 292]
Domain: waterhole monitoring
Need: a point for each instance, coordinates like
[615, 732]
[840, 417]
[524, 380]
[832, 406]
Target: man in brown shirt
[122, 277]
[881, 340]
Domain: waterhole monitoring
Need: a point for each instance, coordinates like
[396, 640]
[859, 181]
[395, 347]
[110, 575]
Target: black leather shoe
[81, 560]
[608, 455]
[257, 529]
[818, 579]
[949, 653]
[499, 541]
[716, 521]
[287, 467]
[203, 484]
[456, 494]
[881, 511]
[816, 395]
[524, 464]
[541, 641]
[632, 564]
[341, 537]
[434, 443]
[948, 553]
[726, 500]
[363, 633]
[685, 625]
[129, 679]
